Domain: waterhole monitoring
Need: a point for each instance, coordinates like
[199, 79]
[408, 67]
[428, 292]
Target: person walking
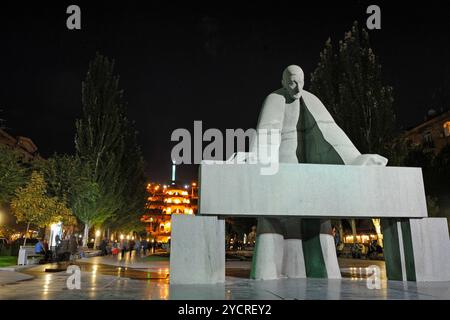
[103, 246]
[73, 246]
[137, 247]
[144, 246]
[131, 246]
[123, 247]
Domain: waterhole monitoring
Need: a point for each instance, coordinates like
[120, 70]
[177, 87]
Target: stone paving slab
[8, 277]
[116, 286]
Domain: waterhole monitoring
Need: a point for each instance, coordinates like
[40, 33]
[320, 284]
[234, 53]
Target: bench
[28, 256]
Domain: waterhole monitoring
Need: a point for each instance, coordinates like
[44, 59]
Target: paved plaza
[147, 278]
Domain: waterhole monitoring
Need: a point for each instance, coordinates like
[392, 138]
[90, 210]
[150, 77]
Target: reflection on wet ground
[359, 269]
[112, 278]
[125, 272]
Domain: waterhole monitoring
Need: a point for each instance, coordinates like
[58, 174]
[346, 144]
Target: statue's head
[293, 81]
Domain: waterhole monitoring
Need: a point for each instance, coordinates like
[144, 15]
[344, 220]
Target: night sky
[216, 64]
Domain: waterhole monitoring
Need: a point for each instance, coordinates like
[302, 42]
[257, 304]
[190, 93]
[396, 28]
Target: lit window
[447, 129]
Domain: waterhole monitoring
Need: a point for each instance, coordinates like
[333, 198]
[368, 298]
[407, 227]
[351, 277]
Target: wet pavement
[140, 278]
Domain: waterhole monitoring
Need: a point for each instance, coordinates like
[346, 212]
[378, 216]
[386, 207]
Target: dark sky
[216, 64]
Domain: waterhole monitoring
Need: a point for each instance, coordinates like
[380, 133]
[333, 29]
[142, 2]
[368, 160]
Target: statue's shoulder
[309, 97]
[316, 107]
[276, 97]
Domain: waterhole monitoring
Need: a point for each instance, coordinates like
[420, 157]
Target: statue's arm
[270, 122]
[336, 137]
[272, 113]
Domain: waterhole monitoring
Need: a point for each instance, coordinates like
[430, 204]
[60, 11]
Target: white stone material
[268, 262]
[293, 259]
[402, 250]
[431, 246]
[197, 250]
[312, 190]
[330, 256]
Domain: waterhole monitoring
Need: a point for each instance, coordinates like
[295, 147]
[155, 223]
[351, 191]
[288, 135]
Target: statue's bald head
[293, 81]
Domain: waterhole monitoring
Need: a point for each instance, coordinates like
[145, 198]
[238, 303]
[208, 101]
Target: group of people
[63, 249]
[124, 246]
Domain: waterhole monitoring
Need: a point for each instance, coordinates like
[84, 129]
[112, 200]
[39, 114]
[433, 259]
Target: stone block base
[197, 250]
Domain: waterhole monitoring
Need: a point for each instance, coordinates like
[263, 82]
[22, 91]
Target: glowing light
[194, 184]
[121, 237]
[447, 129]
[97, 233]
[128, 237]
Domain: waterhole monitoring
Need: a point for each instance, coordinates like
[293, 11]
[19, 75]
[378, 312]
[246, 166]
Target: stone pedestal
[197, 250]
[431, 247]
[417, 249]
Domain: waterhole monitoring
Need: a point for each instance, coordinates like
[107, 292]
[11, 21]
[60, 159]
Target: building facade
[432, 135]
[23, 145]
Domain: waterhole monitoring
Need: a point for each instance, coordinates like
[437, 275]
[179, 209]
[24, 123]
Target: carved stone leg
[197, 253]
[417, 249]
[319, 249]
[329, 250]
[268, 252]
[293, 260]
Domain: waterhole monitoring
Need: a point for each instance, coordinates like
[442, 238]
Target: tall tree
[13, 173]
[349, 82]
[107, 140]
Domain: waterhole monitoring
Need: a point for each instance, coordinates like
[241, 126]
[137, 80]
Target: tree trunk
[377, 224]
[86, 234]
[26, 234]
[353, 224]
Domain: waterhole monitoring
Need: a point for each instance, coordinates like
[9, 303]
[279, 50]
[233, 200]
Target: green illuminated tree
[106, 140]
[33, 206]
[71, 179]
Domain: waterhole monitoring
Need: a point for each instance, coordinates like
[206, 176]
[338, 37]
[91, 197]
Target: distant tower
[173, 171]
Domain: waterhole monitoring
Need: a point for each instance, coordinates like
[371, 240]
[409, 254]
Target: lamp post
[192, 189]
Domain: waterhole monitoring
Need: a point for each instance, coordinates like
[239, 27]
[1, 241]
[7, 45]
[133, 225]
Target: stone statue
[295, 247]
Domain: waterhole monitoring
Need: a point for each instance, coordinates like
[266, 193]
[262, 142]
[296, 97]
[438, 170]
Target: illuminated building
[165, 200]
[433, 134]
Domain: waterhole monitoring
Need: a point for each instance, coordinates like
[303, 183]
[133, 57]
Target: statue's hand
[370, 160]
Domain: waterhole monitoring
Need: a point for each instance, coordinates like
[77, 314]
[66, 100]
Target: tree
[106, 140]
[71, 179]
[350, 84]
[13, 173]
[33, 206]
